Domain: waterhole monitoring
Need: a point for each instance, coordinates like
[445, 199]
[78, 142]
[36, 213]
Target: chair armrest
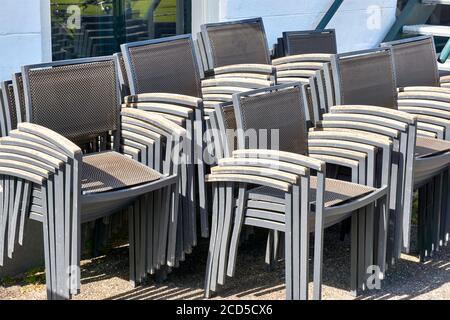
[257, 171]
[375, 111]
[317, 57]
[264, 163]
[165, 98]
[154, 120]
[236, 82]
[246, 68]
[426, 111]
[62, 143]
[428, 89]
[425, 95]
[361, 126]
[172, 109]
[288, 157]
[249, 179]
[431, 104]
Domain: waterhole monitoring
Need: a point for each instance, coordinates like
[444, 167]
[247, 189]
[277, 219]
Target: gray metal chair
[240, 43]
[315, 71]
[309, 41]
[164, 77]
[69, 102]
[280, 107]
[9, 106]
[235, 42]
[431, 156]
[417, 84]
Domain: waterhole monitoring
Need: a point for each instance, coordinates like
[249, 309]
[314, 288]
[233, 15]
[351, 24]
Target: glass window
[86, 28]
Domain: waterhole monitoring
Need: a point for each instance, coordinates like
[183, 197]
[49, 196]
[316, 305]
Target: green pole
[329, 14]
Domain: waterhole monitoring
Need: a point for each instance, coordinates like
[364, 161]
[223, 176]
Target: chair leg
[270, 254]
[132, 253]
[224, 246]
[212, 240]
[369, 240]
[421, 216]
[361, 248]
[354, 255]
[238, 223]
[219, 232]
[288, 238]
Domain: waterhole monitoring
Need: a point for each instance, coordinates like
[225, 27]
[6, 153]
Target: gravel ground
[106, 277]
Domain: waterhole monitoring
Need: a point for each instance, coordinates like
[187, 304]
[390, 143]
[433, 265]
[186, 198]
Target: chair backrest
[225, 135]
[166, 65]
[79, 99]
[309, 41]
[9, 105]
[19, 96]
[262, 111]
[236, 42]
[123, 78]
[415, 61]
[366, 78]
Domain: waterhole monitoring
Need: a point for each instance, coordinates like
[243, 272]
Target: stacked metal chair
[46, 177]
[164, 78]
[280, 107]
[422, 92]
[305, 41]
[419, 85]
[242, 43]
[430, 156]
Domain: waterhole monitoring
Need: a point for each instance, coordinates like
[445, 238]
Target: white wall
[359, 24]
[24, 34]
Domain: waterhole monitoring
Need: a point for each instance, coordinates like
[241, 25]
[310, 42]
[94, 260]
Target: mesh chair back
[123, 78]
[367, 78]
[79, 99]
[236, 42]
[415, 61]
[227, 129]
[276, 108]
[19, 95]
[10, 104]
[304, 42]
[163, 65]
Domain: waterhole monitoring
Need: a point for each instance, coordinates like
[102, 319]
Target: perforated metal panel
[337, 192]
[309, 42]
[368, 79]
[111, 171]
[229, 119]
[168, 67]
[236, 43]
[21, 103]
[78, 101]
[415, 63]
[281, 110]
[429, 146]
[9, 95]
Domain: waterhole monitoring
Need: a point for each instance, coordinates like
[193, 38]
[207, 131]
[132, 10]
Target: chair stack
[46, 177]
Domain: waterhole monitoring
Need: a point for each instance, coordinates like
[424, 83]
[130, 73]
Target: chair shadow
[406, 280]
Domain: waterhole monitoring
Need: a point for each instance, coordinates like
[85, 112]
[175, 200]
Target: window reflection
[85, 28]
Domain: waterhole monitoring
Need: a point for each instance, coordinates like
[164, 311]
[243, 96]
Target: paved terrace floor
[106, 277]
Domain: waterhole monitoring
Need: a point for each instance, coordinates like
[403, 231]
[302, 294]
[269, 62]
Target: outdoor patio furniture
[419, 85]
[234, 43]
[70, 102]
[431, 156]
[10, 114]
[159, 84]
[304, 42]
[265, 207]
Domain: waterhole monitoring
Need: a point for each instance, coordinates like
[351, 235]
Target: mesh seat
[109, 171]
[430, 147]
[337, 192]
